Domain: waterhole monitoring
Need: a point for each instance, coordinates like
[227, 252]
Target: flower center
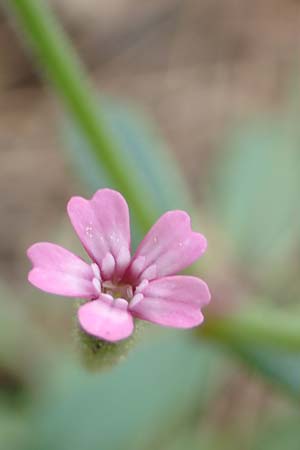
[117, 290]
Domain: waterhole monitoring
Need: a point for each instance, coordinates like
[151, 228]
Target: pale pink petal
[102, 224]
[174, 301]
[169, 247]
[58, 271]
[106, 319]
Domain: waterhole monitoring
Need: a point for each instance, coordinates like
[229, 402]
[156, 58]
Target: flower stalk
[259, 327]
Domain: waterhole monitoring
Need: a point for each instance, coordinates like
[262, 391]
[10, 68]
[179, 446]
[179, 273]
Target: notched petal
[174, 301]
[170, 246]
[58, 271]
[101, 223]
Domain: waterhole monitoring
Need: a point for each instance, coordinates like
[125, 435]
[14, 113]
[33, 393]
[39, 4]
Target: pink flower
[119, 288]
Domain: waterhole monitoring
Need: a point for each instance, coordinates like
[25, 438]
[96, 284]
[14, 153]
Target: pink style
[119, 288]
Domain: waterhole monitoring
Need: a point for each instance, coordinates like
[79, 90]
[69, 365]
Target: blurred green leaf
[257, 326]
[13, 429]
[184, 439]
[257, 192]
[256, 204]
[265, 339]
[140, 143]
[279, 366]
[275, 426]
[25, 351]
[127, 407]
[280, 434]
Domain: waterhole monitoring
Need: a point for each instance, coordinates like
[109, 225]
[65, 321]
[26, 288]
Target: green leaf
[280, 367]
[14, 429]
[23, 345]
[128, 407]
[265, 339]
[138, 142]
[257, 192]
[279, 434]
[256, 205]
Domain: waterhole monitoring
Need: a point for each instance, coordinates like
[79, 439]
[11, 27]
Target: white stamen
[108, 266]
[136, 299]
[96, 270]
[97, 284]
[107, 298]
[150, 272]
[141, 286]
[138, 265]
[129, 292]
[122, 260]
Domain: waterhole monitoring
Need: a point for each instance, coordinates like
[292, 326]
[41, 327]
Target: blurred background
[212, 89]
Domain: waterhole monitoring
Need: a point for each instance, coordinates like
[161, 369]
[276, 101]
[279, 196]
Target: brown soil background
[194, 66]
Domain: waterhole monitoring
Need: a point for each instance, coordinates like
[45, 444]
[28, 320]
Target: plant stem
[58, 59]
[260, 327]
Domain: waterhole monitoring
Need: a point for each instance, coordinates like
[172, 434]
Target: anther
[107, 298]
[137, 265]
[150, 273]
[108, 266]
[96, 270]
[136, 299]
[122, 260]
[97, 284]
[141, 286]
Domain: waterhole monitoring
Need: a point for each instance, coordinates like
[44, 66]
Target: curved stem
[63, 68]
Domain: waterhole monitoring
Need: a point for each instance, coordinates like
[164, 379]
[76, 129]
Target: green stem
[260, 327]
[60, 62]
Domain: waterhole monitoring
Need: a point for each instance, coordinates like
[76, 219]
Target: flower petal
[172, 301]
[169, 247]
[102, 225]
[109, 320]
[58, 271]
